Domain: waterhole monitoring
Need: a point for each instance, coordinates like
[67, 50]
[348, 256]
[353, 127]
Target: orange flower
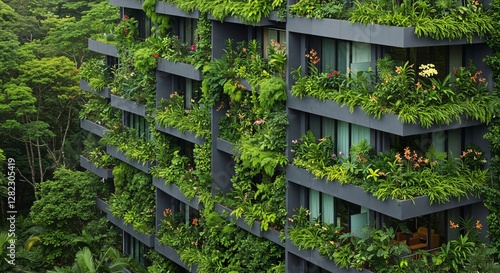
[195, 222]
[453, 225]
[479, 225]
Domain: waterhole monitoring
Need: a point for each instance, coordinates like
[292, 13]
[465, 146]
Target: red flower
[330, 75]
[125, 30]
[125, 16]
[335, 72]
[193, 47]
[156, 55]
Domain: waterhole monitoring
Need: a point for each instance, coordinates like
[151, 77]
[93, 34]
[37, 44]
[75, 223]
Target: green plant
[421, 99]
[161, 21]
[174, 114]
[447, 20]
[319, 9]
[134, 198]
[250, 12]
[96, 73]
[128, 141]
[100, 112]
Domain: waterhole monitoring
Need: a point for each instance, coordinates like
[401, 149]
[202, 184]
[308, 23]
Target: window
[185, 28]
[111, 64]
[342, 55]
[190, 90]
[445, 58]
[330, 210]
[278, 35]
[135, 249]
[344, 134]
[144, 23]
[139, 123]
[450, 141]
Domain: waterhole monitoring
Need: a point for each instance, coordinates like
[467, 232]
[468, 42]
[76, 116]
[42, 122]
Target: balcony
[313, 256]
[179, 69]
[387, 123]
[399, 209]
[133, 4]
[103, 48]
[264, 22]
[146, 239]
[129, 106]
[172, 9]
[172, 255]
[225, 146]
[403, 37]
[102, 205]
[188, 136]
[101, 172]
[174, 191]
[92, 127]
[105, 92]
[144, 167]
[270, 234]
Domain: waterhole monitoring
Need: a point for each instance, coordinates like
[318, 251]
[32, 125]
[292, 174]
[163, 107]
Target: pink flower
[193, 47]
[330, 75]
[335, 72]
[334, 155]
[156, 55]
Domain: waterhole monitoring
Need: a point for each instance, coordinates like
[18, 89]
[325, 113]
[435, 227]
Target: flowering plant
[126, 29]
[421, 97]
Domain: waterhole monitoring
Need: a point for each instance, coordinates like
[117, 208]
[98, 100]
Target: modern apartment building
[264, 137]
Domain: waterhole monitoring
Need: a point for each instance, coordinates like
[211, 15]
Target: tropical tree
[65, 208]
[39, 112]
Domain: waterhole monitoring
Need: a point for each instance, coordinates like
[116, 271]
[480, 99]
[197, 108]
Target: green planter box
[174, 191]
[105, 92]
[313, 256]
[144, 167]
[133, 4]
[372, 33]
[146, 239]
[128, 105]
[172, 9]
[101, 172]
[387, 123]
[188, 136]
[102, 205]
[172, 255]
[399, 209]
[103, 48]
[179, 69]
[225, 146]
[92, 127]
[270, 234]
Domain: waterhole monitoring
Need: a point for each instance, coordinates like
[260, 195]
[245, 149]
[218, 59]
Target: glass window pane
[328, 55]
[343, 137]
[328, 127]
[359, 133]
[438, 141]
[454, 143]
[343, 56]
[314, 203]
[327, 207]
[361, 56]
